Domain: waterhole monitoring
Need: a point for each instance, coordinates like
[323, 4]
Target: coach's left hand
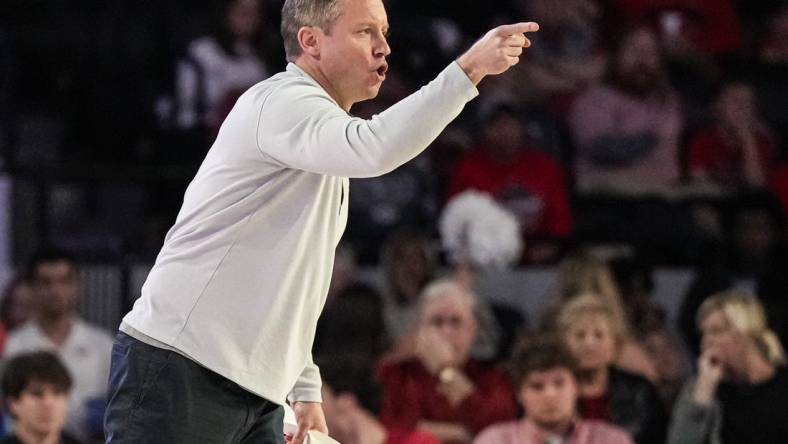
[309, 416]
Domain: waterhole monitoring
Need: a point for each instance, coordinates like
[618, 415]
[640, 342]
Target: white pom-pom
[476, 228]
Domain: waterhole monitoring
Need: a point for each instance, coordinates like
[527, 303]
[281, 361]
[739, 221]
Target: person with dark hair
[545, 376]
[227, 316]
[218, 67]
[56, 327]
[35, 388]
[740, 393]
[351, 401]
[627, 129]
[738, 149]
[523, 178]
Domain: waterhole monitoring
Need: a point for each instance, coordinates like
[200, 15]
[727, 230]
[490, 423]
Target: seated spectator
[627, 129]
[35, 392]
[649, 325]
[351, 402]
[352, 322]
[709, 26]
[55, 326]
[442, 390]
[741, 391]
[737, 150]
[15, 308]
[769, 71]
[216, 69]
[594, 337]
[582, 274]
[545, 376]
[525, 180]
[565, 57]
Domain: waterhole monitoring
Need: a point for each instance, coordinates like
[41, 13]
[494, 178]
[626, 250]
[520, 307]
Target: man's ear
[310, 37]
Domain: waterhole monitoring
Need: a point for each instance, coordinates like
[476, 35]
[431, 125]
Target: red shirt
[410, 395]
[778, 183]
[404, 437]
[595, 408]
[720, 156]
[712, 25]
[532, 186]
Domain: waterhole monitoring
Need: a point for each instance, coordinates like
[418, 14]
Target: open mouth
[382, 70]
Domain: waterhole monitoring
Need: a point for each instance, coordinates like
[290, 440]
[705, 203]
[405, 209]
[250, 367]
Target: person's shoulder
[620, 374]
[22, 338]
[605, 433]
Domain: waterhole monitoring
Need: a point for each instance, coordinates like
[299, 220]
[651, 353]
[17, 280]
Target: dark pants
[159, 396]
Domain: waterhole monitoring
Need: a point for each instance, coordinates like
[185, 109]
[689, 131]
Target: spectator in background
[567, 56]
[527, 181]
[35, 392]
[352, 322]
[627, 129]
[584, 274]
[545, 377]
[407, 265]
[216, 69]
[351, 402]
[769, 72]
[442, 390]
[741, 391]
[737, 150]
[55, 327]
[708, 26]
[16, 306]
[593, 335]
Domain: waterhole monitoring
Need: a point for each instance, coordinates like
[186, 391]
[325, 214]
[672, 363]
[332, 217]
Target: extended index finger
[517, 28]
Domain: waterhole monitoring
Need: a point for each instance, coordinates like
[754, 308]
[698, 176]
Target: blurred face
[591, 341]
[721, 339]
[549, 397]
[243, 18]
[21, 305]
[55, 288]
[411, 268]
[40, 409]
[638, 63]
[353, 54]
[453, 318]
[504, 135]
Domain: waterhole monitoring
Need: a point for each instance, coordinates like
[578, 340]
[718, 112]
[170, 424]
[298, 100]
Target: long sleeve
[308, 385]
[493, 401]
[692, 423]
[303, 128]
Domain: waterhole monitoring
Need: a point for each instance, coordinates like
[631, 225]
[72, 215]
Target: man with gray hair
[220, 338]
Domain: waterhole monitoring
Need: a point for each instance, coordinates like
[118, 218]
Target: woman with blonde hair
[584, 273]
[595, 336]
[740, 393]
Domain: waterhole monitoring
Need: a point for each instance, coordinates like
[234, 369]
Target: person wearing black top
[741, 391]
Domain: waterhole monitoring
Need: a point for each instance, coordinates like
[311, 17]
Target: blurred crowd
[628, 122]
[655, 130]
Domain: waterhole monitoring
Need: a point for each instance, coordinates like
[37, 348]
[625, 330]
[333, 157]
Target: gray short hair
[299, 13]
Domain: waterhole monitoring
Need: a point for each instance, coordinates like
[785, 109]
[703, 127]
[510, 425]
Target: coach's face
[353, 52]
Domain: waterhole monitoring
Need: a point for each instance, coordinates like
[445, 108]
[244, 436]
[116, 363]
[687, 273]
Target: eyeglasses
[451, 321]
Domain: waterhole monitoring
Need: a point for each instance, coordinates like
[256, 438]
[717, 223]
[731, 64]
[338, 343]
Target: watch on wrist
[447, 375]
